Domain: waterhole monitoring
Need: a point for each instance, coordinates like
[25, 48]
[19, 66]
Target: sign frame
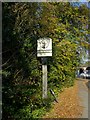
[44, 47]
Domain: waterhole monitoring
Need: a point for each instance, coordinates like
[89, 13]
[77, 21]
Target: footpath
[83, 92]
[72, 102]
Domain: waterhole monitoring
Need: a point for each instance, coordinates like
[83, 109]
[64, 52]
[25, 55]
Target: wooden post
[44, 50]
[44, 81]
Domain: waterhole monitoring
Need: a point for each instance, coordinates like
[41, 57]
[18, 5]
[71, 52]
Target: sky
[83, 1]
[86, 2]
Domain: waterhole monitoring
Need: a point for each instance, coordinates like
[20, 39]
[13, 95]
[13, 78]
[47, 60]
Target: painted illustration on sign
[44, 47]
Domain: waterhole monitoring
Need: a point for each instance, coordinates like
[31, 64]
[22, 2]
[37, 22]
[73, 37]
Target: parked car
[88, 76]
[83, 75]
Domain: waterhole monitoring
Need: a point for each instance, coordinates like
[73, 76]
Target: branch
[8, 59]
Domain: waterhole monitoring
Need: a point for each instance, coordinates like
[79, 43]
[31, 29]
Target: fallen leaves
[67, 106]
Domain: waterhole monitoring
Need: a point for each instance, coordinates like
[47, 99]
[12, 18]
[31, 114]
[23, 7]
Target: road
[84, 95]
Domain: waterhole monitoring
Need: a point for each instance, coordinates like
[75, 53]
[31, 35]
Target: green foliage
[63, 67]
[27, 113]
[23, 24]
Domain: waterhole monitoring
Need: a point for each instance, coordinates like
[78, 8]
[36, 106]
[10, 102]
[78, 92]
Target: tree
[27, 22]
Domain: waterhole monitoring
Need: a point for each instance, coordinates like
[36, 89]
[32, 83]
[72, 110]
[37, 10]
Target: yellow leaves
[67, 106]
[85, 44]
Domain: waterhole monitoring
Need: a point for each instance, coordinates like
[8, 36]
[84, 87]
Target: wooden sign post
[44, 49]
[44, 83]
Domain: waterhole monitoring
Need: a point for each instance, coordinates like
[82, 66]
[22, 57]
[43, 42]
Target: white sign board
[44, 47]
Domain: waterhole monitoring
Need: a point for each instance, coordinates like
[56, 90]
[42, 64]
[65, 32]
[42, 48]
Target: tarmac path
[84, 95]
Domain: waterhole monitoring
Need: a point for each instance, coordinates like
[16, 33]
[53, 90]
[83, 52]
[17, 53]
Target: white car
[88, 76]
[84, 75]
